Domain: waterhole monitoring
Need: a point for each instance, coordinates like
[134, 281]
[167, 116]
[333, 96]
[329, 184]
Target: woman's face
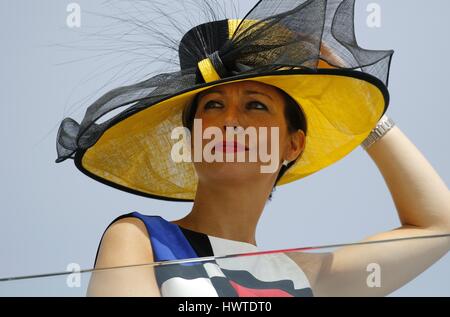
[245, 104]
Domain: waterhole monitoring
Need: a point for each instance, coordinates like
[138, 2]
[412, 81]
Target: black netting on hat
[274, 35]
[292, 33]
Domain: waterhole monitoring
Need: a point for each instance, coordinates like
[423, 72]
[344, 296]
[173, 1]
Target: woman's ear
[296, 145]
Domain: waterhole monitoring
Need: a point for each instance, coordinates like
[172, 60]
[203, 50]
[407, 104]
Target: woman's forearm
[420, 195]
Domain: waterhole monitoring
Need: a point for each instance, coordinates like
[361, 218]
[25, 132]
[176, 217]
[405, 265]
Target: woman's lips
[230, 147]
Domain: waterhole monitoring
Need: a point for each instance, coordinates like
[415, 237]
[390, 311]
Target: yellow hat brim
[341, 108]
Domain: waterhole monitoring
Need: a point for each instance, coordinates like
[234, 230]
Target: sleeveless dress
[268, 275]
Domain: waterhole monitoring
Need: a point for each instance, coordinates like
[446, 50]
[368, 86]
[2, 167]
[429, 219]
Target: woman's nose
[231, 118]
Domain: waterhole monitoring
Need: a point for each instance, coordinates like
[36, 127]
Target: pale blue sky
[53, 215]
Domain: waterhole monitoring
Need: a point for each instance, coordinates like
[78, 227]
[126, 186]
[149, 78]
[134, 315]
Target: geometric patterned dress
[267, 275]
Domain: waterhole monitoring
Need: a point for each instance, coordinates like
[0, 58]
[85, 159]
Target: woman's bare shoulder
[125, 242]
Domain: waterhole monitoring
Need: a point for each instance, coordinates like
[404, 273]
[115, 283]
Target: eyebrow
[249, 92]
[204, 93]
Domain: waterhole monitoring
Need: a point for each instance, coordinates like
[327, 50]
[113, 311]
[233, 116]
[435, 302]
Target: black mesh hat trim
[216, 34]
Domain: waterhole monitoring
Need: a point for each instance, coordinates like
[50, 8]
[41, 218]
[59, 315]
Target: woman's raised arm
[422, 200]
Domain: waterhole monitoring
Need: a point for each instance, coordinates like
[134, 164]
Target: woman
[229, 197]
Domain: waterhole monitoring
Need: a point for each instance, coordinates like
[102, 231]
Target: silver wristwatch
[382, 127]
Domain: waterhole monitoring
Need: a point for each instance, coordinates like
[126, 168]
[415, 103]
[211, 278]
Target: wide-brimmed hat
[306, 48]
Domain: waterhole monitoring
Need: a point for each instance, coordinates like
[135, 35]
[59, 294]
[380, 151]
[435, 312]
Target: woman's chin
[232, 171]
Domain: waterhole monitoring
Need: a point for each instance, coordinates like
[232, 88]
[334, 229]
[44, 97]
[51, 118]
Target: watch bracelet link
[383, 126]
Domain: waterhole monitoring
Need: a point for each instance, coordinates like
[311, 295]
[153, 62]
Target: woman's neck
[229, 211]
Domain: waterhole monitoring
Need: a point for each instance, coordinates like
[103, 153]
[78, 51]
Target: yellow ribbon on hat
[206, 66]
[208, 71]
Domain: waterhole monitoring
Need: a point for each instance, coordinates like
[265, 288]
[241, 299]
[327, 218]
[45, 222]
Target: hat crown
[201, 42]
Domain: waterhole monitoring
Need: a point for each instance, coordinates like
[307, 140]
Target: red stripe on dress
[243, 291]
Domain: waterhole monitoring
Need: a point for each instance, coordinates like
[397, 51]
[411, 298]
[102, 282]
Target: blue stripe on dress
[168, 241]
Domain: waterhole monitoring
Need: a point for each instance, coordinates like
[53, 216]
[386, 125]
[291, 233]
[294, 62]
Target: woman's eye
[212, 104]
[257, 105]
